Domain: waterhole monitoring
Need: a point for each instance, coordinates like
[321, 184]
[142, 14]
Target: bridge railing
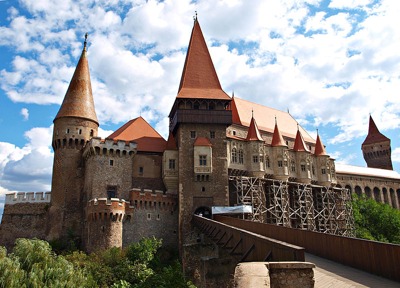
[247, 245]
[373, 257]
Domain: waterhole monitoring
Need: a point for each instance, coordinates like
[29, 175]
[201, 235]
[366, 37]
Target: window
[196, 106]
[233, 155]
[79, 131]
[313, 169]
[323, 171]
[192, 134]
[255, 159]
[303, 167]
[280, 163]
[111, 162]
[111, 192]
[140, 170]
[67, 131]
[91, 133]
[212, 134]
[148, 216]
[172, 164]
[158, 217]
[267, 164]
[293, 166]
[203, 189]
[234, 133]
[203, 160]
[240, 156]
[211, 106]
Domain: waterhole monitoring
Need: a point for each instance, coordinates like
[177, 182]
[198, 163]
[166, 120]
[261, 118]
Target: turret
[279, 148]
[376, 148]
[303, 159]
[170, 165]
[256, 149]
[75, 124]
[324, 164]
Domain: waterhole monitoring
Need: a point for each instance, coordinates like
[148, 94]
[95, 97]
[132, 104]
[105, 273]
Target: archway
[358, 190]
[348, 187]
[393, 198]
[385, 196]
[368, 192]
[377, 195]
[203, 211]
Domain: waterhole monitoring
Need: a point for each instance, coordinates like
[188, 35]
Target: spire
[253, 134]
[374, 135]
[299, 144]
[78, 101]
[199, 78]
[277, 139]
[319, 147]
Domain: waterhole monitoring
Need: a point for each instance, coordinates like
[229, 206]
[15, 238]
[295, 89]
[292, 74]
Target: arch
[393, 198]
[203, 211]
[368, 192]
[377, 194]
[358, 190]
[385, 195]
[348, 187]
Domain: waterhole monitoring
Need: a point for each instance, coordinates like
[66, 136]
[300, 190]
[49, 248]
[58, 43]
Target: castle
[221, 151]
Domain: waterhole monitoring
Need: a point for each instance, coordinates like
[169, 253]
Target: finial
[317, 131]
[252, 113]
[276, 121]
[298, 127]
[233, 94]
[195, 16]
[85, 43]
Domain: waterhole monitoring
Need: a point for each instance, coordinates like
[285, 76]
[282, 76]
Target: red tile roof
[171, 143]
[202, 141]
[374, 136]
[277, 139]
[138, 130]
[299, 145]
[199, 78]
[241, 109]
[253, 134]
[78, 100]
[319, 148]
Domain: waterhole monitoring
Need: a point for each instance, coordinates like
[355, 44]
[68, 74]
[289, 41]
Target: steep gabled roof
[202, 141]
[199, 78]
[374, 136]
[171, 144]
[138, 130]
[277, 139]
[253, 134]
[266, 118]
[299, 145]
[319, 148]
[78, 100]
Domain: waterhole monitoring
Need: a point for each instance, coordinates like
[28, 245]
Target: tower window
[79, 131]
[233, 155]
[303, 167]
[323, 171]
[91, 133]
[148, 216]
[111, 162]
[240, 154]
[203, 189]
[67, 131]
[212, 134]
[203, 160]
[192, 134]
[140, 170]
[280, 163]
[172, 164]
[111, 192]
[255, 159]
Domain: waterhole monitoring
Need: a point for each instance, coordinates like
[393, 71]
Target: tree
[376, 221]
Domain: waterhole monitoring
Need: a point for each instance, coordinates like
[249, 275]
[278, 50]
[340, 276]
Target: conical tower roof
[78, 101]
[253, 134]
[199, 78]
[374, 135]
[277, 139]
[319, 148]
[299, 144]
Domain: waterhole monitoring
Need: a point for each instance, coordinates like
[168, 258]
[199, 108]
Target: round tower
[74, 125]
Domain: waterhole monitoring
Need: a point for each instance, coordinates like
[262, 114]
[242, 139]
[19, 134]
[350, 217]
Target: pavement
[331, 274]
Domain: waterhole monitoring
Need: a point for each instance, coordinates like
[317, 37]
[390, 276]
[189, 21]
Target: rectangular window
[192, 134]
[111, 162]
[140, 170]
[172, 164]
[280, 163]
[111, 192]
[303, 167]
[212, 134]
[203, 160]
[323, 171]
[148, 216]
[255, 159]
[67, 131]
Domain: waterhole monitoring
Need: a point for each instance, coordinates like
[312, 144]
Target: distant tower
[74, 125]
[376, 148]
[198, 122]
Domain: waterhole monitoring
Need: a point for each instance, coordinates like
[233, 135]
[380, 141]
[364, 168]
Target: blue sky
[331, 63]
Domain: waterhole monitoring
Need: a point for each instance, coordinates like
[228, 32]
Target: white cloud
[396, 155]
[25, 113]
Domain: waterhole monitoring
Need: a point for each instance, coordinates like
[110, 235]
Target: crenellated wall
[104, 221]
[155, 214]
[28, 197]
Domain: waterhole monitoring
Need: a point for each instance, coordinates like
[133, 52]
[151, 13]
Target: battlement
[28, 197]
[98, 146]
[103, 209]
[152, 199]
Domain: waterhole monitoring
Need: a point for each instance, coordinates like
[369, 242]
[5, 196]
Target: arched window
[348, 187]
[377, 194]
[368, 192]
[234, 158]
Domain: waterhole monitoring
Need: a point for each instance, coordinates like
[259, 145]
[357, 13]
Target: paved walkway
[331, 274]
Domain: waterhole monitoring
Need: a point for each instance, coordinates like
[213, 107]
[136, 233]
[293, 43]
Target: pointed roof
[78, 101]
[277, 139]
[319, 148]
[299, 145]
[266, 119]
[138, 130]
[199, 78]
[171, 144]
[253, 134]
[202, 141]
[374, 135]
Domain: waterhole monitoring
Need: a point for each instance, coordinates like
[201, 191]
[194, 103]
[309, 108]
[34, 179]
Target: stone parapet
[104, 209]
[98, 146]
[152, 199]
[28, 197]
